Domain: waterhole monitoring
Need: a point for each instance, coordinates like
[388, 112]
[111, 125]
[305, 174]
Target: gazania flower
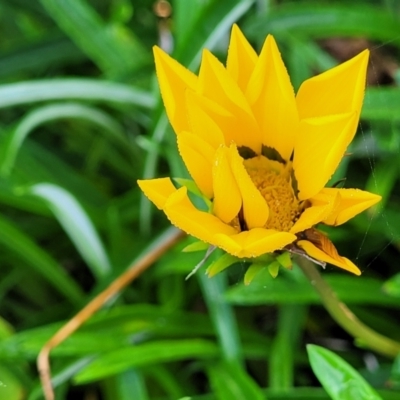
[260, 153]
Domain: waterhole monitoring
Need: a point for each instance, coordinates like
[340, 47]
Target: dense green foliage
[81, 120]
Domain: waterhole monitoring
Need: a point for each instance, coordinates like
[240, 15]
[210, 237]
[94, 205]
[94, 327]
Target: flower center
[273, 180]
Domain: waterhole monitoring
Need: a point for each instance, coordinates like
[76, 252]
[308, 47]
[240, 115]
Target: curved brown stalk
[166, 241]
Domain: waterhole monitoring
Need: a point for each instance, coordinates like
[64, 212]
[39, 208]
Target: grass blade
[339, 379]
[48, 113]
[40, 261]
[77, 225]
[114, 50]
[14, 94]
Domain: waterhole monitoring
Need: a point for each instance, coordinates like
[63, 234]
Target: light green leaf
[77, 225]
[339, 379]
[10, 387]
[392, 286]
[73, 88]
[220, 264]
[273, 269]
[50, 113]
[196, 246]
[252, 271]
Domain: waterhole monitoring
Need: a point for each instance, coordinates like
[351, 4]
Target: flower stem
[364, 335]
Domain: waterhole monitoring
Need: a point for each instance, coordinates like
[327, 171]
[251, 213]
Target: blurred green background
[81, 120]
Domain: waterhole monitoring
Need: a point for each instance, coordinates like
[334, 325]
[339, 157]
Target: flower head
[260, 153]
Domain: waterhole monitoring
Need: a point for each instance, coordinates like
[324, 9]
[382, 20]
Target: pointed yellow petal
[254, 243]
[202, 225]
[337, 91]
[217, 85]
[255, 208]
[225, 122]
[157, 190]
[201, 122]
[272, 99]
[198, 157]
[320, 145]
[174, 80]
[350, 203]
[321, 207]
[315, 252]
[241, 58]
[227, 197]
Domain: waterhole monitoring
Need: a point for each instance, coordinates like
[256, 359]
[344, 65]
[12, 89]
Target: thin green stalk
[222, 316]
[344, 317]
[291, 319]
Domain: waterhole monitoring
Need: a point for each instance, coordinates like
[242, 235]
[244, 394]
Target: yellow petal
[217, 85]
[227, 197]
[202, 225]
[198, 157]
[157, 190]
[320, 145]
[254, 243]
[200, 120]
[272, 99]
[315, 252]
[174, 81]
[337, 91]
[241, 58]
[350, 203]
[225, 122]
[255, 208]
[321, 206]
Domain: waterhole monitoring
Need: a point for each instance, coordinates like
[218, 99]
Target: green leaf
[383, 180]
[108, 330]
[339, 379]
[222, 316]
[324, 20]
[273, 269]
[14, 94]
[229, 381]
[392, 286]
[196, 246]
[50, 51]
[281, 371]
[115, 50]
[285, 260]
[50, 113]
[77, 225]
[10, 387]
[41, 262]
[251, 272]
[145, 354]
[381, 104]
[220, 264]
[292, 288]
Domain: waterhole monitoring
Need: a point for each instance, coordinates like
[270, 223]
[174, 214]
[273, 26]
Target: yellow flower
[261, 154]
